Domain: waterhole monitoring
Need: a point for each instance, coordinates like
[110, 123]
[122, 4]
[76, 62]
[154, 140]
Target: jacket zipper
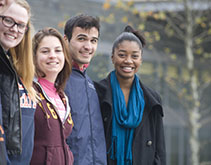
[62, 124]
[90, 120]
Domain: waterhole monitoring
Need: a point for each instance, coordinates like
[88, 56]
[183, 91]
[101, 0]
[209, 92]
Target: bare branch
[205, 122]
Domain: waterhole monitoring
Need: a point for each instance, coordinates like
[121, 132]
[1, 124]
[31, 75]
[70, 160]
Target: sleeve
[3, 154]
[160, 153]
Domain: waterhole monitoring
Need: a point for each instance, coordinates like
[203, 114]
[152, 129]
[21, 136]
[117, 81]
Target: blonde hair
[22, 55]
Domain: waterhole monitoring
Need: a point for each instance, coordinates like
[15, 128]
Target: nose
[14, 28]
[128, 59]
[88, 45]
[52, 54]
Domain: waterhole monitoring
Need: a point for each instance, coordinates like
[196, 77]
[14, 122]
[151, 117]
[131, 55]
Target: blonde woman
[16, 75]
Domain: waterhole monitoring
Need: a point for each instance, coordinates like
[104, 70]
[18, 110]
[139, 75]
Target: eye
[81, 39]
[21, 26]
[135, 56]
[58, 50]
[8, 21]
[44, 51]
[94, 41]
[121, 55]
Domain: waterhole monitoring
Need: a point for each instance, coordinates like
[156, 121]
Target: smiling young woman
[53, 121]
[18, 97]
[132, 112]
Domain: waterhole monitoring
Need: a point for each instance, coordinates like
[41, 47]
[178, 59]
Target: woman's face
[11, 36]
[50, 57]
[127, 59]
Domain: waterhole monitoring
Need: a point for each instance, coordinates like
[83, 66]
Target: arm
[160, 152]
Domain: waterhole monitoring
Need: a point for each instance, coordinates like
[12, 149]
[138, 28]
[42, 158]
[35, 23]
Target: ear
[65, 38]
[112, 59]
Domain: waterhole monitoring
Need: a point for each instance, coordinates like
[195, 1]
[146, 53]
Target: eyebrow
[83, 35]
[126, 51]
[16, 21]
[46, 47]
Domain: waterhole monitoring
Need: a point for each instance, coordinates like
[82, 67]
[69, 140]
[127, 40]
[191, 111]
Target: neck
[5, 50]
[125, 85]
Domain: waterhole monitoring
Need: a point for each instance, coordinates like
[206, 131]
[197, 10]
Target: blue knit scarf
[125, 119]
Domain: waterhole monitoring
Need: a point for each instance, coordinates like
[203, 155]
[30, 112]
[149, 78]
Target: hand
[4, 4]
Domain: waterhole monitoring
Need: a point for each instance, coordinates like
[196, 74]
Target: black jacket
[10, 104]
[148, 143]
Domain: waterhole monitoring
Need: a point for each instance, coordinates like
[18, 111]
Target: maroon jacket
[50, 146]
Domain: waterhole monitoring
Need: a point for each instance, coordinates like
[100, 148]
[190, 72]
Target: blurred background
[176, 60]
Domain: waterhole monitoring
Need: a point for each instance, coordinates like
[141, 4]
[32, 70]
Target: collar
[151, 97]
[75, 65]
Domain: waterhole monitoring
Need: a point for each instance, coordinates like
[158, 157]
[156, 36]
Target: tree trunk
[194, 114]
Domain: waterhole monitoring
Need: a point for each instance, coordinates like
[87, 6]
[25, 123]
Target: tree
[186, 32]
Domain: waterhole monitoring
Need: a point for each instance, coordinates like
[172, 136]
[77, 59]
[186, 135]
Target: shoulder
[152, 98]
[103, 84]
[151, 93]
[103, 89]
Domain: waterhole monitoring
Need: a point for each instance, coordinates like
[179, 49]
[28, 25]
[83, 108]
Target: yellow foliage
[149, 13]
[198, 41]
[206, 76]
[198, 20]
[199, 51]
[156, 16]
[130, 3]
[141, 27]
[150, 47]
[203, 25]
[61, 24]
[207, 55]
[106, 5]
[156, 36]
[143, 15]
[150, 40]
[146, 34]
[172, 72]
[162, 16]
[135, 11]
[167, 50]
[170, 32]
[109, 19]
[173, 56]
[124, 19]
[147, 68]
[197, 103]
[185, 75]
[119, 4]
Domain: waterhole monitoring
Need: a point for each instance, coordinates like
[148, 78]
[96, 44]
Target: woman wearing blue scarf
[132, 112]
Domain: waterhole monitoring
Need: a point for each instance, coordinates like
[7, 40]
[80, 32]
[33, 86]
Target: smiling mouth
[52, 63]
[10, 36]
[128, 69]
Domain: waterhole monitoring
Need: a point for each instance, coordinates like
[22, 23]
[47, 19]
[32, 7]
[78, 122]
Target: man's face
[83, 45]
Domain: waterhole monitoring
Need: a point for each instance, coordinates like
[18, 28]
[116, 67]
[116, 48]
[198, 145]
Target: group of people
[52, 113]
